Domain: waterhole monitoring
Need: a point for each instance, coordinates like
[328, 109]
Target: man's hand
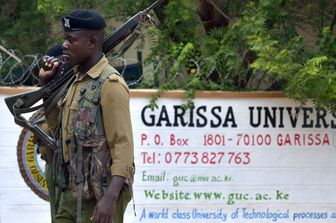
[107, 205]
[104, 210]
[49, 69]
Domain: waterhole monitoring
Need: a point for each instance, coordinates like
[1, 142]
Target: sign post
[232, 157]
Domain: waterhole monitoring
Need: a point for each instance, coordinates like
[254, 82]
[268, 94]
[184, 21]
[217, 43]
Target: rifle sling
[49, 104]
[56, 97]
[19, 111]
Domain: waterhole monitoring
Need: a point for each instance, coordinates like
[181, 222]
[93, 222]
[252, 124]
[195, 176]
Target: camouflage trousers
[68, 208]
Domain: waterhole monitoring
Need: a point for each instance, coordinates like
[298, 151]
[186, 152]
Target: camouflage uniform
[114, 104]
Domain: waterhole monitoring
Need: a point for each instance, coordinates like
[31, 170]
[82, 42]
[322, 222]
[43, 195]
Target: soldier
[46, 154]
[94, 162]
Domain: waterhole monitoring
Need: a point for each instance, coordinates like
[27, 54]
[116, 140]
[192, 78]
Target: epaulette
[114, 77]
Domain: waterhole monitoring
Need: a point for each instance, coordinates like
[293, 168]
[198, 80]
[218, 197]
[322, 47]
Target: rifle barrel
[152, 6]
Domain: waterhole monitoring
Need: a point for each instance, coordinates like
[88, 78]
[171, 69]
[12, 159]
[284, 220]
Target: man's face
[76, 47]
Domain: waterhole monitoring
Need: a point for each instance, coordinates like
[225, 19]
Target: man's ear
[93, 42]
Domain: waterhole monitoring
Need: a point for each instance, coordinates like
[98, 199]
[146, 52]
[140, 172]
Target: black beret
[83, 19]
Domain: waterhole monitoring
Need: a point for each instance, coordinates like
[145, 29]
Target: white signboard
[234, 159]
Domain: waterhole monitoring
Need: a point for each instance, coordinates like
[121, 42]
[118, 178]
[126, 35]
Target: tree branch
[333, 22]
[10, 54]
[219, 10]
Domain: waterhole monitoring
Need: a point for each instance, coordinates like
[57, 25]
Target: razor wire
[16, 70]
[122, 64]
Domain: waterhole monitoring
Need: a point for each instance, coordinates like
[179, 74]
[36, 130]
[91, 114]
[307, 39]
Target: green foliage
[55, 9]
[229, 45]
[23, 27]
[309, 72]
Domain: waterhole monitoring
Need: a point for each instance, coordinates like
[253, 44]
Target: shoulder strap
[108, 70]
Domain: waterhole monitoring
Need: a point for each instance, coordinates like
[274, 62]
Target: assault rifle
[24, 103]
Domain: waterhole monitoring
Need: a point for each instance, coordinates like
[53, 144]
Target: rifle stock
[22, 103]
[29, 98]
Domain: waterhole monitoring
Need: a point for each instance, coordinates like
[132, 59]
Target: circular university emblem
[30, 163]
